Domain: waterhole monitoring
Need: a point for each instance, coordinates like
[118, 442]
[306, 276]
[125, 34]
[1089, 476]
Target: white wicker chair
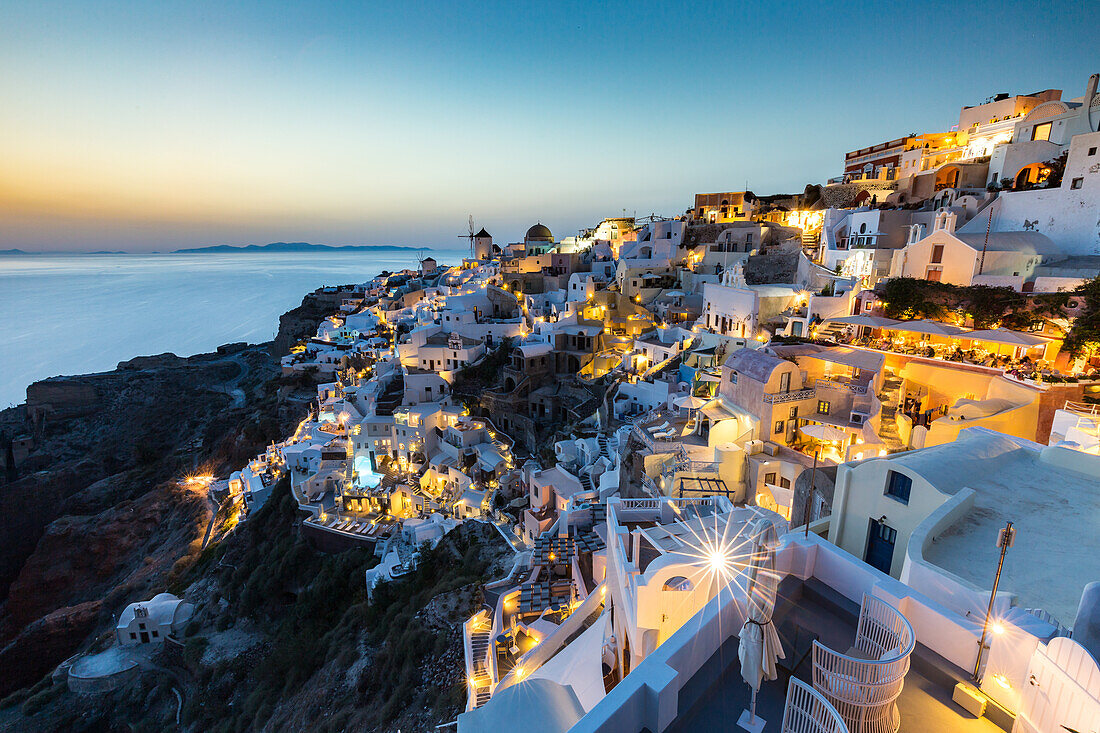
[807, 711]
[865, 683]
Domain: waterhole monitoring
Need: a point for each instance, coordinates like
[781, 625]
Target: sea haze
[75, 314]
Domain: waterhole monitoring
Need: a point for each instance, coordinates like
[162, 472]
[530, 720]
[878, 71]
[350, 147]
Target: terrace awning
[863, 360]
[1005, 336]
[929, 328]
[861, 320]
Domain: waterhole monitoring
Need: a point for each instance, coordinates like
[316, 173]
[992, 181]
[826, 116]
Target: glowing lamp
[718, 560]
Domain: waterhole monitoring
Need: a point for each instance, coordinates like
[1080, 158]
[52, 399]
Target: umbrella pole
[810, 495]
[752, 707]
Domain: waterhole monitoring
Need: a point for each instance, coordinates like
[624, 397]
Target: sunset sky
[150, 126]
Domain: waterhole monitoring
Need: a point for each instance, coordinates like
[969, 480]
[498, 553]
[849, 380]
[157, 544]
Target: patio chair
[659, 428]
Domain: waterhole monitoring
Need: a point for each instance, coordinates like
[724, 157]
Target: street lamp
[1005, 539]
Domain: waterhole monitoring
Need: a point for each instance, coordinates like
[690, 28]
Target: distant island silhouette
[249, 248]
[292, 247]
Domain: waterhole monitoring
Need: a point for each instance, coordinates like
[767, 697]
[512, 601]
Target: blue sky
[145, 126]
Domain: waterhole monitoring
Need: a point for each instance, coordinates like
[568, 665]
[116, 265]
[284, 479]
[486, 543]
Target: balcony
[778, 398]
[841, 384]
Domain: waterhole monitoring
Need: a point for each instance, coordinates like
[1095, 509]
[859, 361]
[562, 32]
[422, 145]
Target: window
[784, 483]
[898, 485]
[154, 634]
[785, 382]
[937, 253]
[1041, 132]
[769, 478]
[678, 583]
[133, 635]
[779, 426]
[1077, 182]
[794, 412]
[822, 407]
[1092, 151]
[733, 377]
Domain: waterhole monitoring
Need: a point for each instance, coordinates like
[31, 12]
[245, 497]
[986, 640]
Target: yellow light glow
[1001, 680]
[997, 628]
[718, 560]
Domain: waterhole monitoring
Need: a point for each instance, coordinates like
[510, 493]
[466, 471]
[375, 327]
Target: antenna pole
[985, 244]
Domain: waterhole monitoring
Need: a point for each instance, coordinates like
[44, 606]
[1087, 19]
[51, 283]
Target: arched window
[863, 228]
[678, 582]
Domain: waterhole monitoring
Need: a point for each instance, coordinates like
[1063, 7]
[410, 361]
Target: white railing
[865, 689]
[807, 711]
[1081, 408]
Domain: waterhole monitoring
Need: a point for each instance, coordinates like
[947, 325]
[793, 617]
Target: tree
[1083, 340]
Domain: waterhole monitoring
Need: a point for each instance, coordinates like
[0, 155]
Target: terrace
[841, 635]
[1021, 355]
[813, 622]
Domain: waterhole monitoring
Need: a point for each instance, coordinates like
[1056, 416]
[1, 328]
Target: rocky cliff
[96, 516]
[301, 322]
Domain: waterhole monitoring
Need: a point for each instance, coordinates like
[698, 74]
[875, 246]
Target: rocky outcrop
[81, 558]
[301, 322]
[44, 644]
[64, 397]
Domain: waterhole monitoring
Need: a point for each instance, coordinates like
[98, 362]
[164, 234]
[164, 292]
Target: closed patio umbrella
[759, 646]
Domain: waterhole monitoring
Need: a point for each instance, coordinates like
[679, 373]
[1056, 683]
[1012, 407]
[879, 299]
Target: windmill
[469, 236]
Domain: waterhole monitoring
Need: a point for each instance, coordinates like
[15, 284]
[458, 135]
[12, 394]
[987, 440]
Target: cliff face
[95, 518]
[301, 322]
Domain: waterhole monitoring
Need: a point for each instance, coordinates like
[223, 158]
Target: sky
[145, 126]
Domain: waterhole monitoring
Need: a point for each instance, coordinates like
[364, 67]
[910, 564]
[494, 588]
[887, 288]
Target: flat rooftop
[1055, 511]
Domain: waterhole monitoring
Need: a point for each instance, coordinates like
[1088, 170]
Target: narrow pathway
[888, 427]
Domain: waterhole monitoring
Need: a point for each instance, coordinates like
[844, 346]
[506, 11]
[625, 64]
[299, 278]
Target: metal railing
[836, 384]
[779, 398]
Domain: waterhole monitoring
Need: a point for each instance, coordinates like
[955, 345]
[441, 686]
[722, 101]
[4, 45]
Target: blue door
[880, 546]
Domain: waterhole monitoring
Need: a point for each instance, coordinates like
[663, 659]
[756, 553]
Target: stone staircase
[604, 451]
[831, 331]
[479, 647]
[586, 482]
[888, 427]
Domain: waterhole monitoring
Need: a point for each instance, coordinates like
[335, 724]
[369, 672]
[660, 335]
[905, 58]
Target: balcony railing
[807, 711]
[835, 384]
[864, 688]
[779, 398]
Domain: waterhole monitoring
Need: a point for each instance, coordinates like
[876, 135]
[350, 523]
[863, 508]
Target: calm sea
[76, 314]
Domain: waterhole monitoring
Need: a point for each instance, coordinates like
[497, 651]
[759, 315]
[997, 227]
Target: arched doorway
[1029, 174]
[947, 177]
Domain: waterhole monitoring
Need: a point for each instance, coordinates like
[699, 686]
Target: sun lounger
[659, 428]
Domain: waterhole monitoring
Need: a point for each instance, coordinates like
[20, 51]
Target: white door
[1061, 692]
